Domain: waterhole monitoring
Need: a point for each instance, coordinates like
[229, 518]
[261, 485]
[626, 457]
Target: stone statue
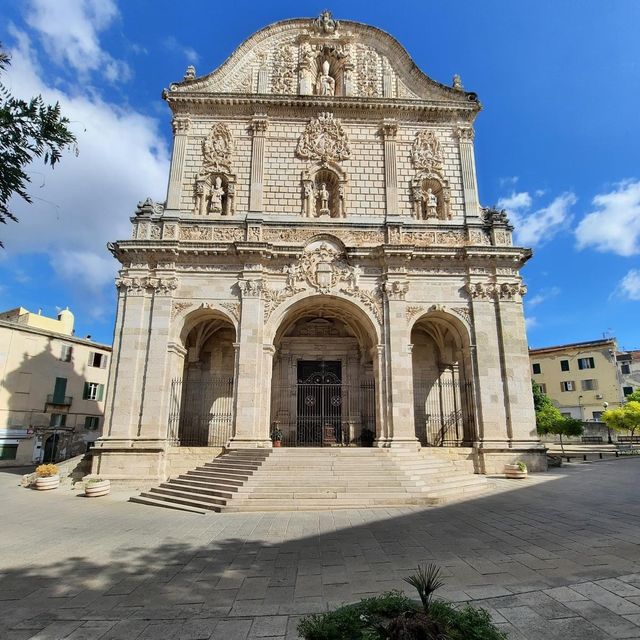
[217, 192]
[292, 275]
[457, 82]
[326, 85]
[431, 201]
[323, 195]
[354, 277]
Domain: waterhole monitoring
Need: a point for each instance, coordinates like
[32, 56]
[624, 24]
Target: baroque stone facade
[321, 267]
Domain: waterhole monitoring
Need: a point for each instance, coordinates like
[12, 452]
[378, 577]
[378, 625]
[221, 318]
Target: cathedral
[321, 273]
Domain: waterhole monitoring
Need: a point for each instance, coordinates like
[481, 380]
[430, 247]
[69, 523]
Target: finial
[190, 73]
[457, 82]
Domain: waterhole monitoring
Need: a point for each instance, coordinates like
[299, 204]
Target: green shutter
[85, 393]
[100, 392]
[59, 390]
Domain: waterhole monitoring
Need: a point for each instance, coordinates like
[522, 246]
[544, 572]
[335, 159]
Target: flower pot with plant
[96, 487]
[47, 477]
[276, 437]
[517, 470]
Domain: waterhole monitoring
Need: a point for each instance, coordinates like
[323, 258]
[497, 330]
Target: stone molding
[497, 291]
[140, 285]
[396, 289]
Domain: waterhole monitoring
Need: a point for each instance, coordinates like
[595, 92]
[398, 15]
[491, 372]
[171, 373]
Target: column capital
[259, 124]
[181, 125]
[465, 134]
[389, 128]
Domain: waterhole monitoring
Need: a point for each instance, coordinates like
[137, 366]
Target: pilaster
[401, 430]
[389, 134]
[181, 127]
[258, 128]
[251, 426]
[468, 167]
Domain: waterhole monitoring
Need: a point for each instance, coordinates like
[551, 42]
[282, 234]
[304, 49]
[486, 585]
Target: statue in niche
[354, 277]
[323, 196]
[431, 202]
[326, 85]
[293, 275]
[217, 192]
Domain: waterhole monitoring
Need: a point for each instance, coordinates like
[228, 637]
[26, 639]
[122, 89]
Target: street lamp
[609, 440]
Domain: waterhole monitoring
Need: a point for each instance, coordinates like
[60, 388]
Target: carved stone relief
[324, 140]
[502, 291]
[412, 311]
[283, 76]
[136, 285]
[429, 189]
[195, 233]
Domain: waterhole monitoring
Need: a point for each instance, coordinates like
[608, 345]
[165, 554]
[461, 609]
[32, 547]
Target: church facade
[321, 273]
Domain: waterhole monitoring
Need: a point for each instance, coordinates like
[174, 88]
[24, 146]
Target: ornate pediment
[323, 57]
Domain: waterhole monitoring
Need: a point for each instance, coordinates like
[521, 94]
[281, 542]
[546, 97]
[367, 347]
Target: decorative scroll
[324, 139]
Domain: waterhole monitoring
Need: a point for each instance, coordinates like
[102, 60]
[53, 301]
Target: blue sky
[557, 143]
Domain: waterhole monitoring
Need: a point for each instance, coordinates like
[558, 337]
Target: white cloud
[629, 286]
[539, 226]
[85, 201]
[542, 295]
[530, 322]
[509, 181]
[171, 44]
[615, 224]
[69, 30]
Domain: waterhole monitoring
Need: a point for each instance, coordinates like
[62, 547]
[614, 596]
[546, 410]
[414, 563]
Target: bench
[629, 439]
[591, 439]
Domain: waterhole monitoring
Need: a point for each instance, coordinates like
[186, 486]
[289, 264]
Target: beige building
[321, 267]
[628, 371]
[53, 388]
[580, 378]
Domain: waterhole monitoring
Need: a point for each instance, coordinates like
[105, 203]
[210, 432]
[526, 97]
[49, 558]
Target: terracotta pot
[97, 489]
[513, 471]
[47, 482]
[277, 443]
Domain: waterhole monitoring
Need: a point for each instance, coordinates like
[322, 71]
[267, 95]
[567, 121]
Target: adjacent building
[628, 371]
[321, 268]
[52, 389]
[582, 378]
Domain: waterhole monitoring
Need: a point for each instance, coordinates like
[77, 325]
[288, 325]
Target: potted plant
[276, 437]
[47, 477]
[516, 470]
[96, 487]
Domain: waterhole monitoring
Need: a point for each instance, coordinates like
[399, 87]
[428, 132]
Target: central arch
[324, 374]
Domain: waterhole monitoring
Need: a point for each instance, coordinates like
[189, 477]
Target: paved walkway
[558, 557]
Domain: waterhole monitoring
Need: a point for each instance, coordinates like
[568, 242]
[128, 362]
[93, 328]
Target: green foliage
[521, 465]
[370, 619]
[625, 418]
[426, 582]
[550, 420]
[28, 130]
[364, 620]
[633, 397]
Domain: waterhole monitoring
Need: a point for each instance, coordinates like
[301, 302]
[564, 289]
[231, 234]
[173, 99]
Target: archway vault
[324, 381]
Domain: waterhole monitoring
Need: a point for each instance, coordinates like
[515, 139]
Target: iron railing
[201, 412]
[443, 412]
[325, 414]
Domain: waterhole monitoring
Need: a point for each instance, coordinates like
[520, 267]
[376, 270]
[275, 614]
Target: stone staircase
[290, 479]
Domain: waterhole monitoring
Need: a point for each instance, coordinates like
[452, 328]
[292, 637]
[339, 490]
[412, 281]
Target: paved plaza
[554, 556]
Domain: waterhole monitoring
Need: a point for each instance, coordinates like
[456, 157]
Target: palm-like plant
[426, 582]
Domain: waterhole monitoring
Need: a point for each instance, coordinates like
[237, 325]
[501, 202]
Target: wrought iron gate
[321, 410]
[201, 412]
[443, 409]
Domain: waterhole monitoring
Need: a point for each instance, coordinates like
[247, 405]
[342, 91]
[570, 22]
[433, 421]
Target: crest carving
[284, 75]
[217, 149]
[324, 139]
[427, 153]
[325, 23]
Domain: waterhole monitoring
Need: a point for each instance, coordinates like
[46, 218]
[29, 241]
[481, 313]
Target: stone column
[251, 427]
[259, 128]
[389, 133]
[382, 395]
[180, 130]
[399, 366]
[468, 167]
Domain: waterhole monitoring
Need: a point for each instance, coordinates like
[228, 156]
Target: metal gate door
[319, 403]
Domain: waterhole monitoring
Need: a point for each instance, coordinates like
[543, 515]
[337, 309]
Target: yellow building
[52, 388]
[581, 379]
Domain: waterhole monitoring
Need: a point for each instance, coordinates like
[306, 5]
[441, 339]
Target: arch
[365, 321]
[201, 411]
[442, 379]
[215, 193]
[325, 372]
[187, 318]
[431, 197]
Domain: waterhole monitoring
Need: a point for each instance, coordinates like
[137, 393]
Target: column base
[398, 443]
[492, 456]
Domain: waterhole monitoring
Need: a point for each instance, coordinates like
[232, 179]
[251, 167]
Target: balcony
[59, 401]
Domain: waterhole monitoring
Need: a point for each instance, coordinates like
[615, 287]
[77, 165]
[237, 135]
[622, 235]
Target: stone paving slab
[553, 556]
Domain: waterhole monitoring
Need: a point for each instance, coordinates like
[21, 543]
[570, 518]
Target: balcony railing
[59, 401]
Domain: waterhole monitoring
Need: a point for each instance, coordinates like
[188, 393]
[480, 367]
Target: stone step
[185, 501]
[332, 490]
[199, 490]
[212, 473]
[168, 492]
[206, 480]
[230, 466]
[152, 502]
